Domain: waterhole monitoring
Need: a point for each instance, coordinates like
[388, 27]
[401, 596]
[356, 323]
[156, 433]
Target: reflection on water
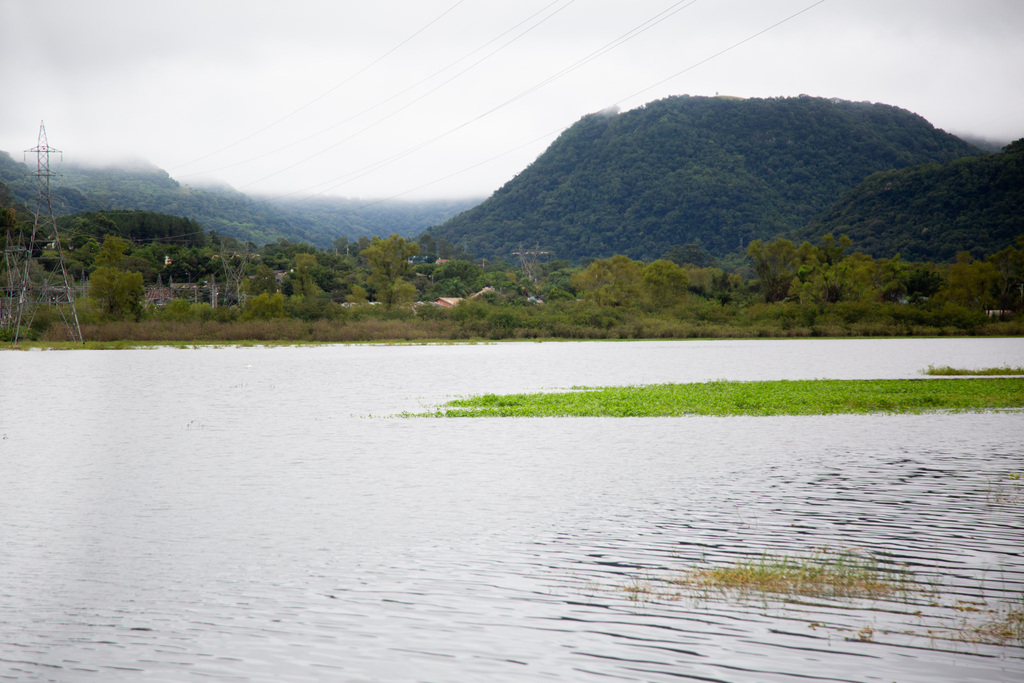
[169, 514]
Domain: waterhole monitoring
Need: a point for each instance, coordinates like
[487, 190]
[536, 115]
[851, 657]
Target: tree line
[387, 288]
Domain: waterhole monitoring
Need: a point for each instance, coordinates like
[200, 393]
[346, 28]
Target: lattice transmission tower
[528, 260]
[37, 275]
[234, 273]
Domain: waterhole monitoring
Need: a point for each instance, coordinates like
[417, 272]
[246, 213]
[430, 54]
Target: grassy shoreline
[725, 398]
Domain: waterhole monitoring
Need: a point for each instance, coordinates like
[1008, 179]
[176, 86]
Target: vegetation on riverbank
[724, 398]
[181, 286]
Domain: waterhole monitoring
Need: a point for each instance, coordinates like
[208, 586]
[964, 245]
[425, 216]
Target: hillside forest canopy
[722, 172]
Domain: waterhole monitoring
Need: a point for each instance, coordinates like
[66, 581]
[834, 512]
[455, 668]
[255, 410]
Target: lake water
[254, 514]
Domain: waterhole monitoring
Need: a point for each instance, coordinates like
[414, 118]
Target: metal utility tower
[528, 260]
[234, 274]
[30, 284]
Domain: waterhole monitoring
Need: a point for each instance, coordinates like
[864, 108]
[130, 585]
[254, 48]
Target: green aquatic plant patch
[946, 370]
[725, 398]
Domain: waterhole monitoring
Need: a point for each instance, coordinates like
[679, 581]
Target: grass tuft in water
[1005, 491]
[823, 573]
[846, 574]
[1004, 627]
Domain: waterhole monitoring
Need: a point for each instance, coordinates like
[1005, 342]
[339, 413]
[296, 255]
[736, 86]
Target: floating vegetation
[790, 580]
[725, 398]
[823, 573]
[946, 370]
[1005, 491]
[1005, 626]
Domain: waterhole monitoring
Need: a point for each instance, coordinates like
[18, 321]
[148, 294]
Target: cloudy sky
[448, 98]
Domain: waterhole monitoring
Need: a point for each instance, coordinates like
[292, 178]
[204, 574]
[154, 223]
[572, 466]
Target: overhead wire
[461, 171]
[620, 101]
[326, 92]
[390, 98]
[414, 101]
[629, 35]
[661, 16]
[625, 37]
[719, 53]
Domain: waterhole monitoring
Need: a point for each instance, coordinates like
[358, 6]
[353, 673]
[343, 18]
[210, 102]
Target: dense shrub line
[561, 320]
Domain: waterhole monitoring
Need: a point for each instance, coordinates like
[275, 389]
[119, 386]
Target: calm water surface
[254, 515]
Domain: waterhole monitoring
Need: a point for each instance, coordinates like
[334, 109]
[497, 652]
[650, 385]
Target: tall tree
[664, 284]
[389, 264]
[613, 281]
[775, 265]
[117, 292]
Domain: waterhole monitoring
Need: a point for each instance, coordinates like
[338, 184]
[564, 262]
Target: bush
[179, 309]
[265, 307]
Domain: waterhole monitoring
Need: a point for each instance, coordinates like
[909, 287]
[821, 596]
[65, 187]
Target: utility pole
[30, 284]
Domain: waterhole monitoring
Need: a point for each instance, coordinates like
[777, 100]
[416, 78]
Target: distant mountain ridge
[317, 221]
[715, 171]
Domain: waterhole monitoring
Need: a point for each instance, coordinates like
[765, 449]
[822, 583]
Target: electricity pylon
[30, 284]
[234, 274]
[528, 260]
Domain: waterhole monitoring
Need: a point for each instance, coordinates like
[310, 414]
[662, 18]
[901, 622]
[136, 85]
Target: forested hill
[79, 189]
[718, 171]
[932, 211]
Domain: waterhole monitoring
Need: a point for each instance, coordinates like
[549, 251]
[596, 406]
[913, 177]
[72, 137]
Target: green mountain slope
[717, 171]
[932, 211]
[78, 189]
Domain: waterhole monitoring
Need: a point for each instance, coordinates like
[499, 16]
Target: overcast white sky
[441, 98]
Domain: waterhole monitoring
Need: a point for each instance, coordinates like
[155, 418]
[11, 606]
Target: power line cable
[690, 68]
[325, 93]
[625, 37]
[719, 53]
[359, 173]
[461, 171]
[371, 168]
[392, 97]
[408, 104]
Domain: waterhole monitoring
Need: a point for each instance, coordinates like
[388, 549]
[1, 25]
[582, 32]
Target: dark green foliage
[134, 226]
[923, 282]
[389, 262]
[931, 212]
[715, 171]
[775, 264]
[690, 255]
